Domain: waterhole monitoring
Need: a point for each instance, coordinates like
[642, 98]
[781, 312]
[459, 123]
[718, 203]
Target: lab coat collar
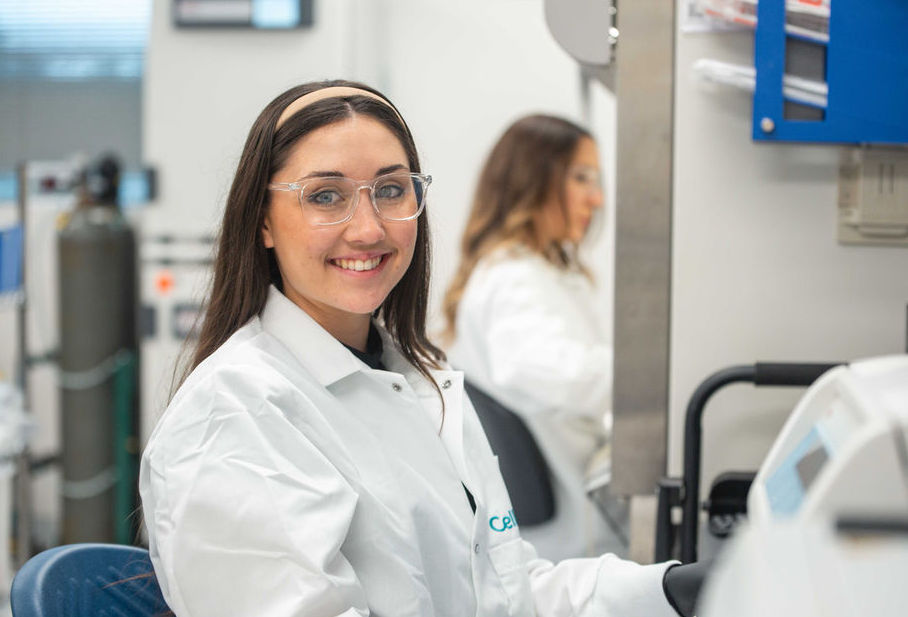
[394, 360]
[329, 361]
[319, 352]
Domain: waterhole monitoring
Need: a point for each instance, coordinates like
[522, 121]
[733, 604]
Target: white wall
[757, 272]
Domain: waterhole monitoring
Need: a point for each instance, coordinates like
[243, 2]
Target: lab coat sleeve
[248, 518]
[541, 355]
[605, 586]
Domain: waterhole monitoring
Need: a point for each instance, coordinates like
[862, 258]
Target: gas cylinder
[98, 363]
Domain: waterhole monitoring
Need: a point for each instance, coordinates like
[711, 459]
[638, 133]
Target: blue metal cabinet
[866, 74]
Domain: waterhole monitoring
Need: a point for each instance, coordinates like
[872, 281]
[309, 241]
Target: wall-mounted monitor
[263, 14]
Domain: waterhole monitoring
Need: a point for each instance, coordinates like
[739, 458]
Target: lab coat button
[396, 387]
[446, 384]
[476, 549]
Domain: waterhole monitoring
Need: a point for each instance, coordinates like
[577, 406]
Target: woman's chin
[362, 308]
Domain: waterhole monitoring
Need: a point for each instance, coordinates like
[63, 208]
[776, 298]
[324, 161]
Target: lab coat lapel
[451, 384]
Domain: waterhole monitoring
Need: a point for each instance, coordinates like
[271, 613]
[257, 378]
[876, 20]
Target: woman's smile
[360, 264]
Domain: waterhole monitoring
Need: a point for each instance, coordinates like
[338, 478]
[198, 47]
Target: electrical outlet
[873, 196]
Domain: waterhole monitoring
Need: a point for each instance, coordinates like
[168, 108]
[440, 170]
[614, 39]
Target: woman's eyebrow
[322, 174]
[389, 169]
[332, 174]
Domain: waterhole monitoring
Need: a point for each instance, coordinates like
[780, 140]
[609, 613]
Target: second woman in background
[521, 313]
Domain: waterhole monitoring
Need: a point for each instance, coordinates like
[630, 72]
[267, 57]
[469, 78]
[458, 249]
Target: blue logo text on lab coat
[503, 523]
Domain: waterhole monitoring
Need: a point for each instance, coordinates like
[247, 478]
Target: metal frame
[645, 102]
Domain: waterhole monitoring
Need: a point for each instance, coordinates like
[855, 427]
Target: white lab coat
[529, 334]
[288, 478]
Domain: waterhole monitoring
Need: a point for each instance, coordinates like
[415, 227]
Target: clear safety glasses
[331, 200]
[589, 177]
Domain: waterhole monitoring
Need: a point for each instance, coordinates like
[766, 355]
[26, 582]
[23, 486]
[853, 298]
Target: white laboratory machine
[827, 530]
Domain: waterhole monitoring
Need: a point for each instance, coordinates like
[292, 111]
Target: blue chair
[82, 580]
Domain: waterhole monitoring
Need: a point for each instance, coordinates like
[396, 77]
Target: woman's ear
[267, 238]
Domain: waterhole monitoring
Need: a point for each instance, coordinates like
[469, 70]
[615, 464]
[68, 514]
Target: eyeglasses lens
[396, 197]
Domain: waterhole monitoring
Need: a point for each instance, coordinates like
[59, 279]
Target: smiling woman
[320, 459]
[339, 262]
[299, 139]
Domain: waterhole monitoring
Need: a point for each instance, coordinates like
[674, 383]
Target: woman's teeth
[358, 265]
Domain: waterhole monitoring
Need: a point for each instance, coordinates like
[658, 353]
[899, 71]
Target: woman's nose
[365, 227]
[597, 197]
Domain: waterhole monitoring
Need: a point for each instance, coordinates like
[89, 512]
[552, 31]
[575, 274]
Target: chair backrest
[523, 467]
[82, 580]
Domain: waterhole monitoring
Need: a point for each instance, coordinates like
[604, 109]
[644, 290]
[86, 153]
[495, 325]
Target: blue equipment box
[866, 74]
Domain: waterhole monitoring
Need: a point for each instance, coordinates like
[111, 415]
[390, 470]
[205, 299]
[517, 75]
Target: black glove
[681, 585]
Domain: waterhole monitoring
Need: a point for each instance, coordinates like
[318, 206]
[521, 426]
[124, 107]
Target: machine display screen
[810, 464]
[787, 486]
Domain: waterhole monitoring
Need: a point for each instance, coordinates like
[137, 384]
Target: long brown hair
[526, 167]
[244, 268]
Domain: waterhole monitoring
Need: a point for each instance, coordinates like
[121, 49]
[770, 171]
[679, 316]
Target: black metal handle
[693, 435]
[789, 374]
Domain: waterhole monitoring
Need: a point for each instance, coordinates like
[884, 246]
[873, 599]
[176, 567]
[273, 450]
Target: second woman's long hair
[525, 170]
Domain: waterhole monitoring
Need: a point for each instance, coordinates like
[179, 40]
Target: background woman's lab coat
[529, 334]
[287, 478]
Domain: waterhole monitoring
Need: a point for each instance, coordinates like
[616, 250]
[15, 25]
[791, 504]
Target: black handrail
[759, 374]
